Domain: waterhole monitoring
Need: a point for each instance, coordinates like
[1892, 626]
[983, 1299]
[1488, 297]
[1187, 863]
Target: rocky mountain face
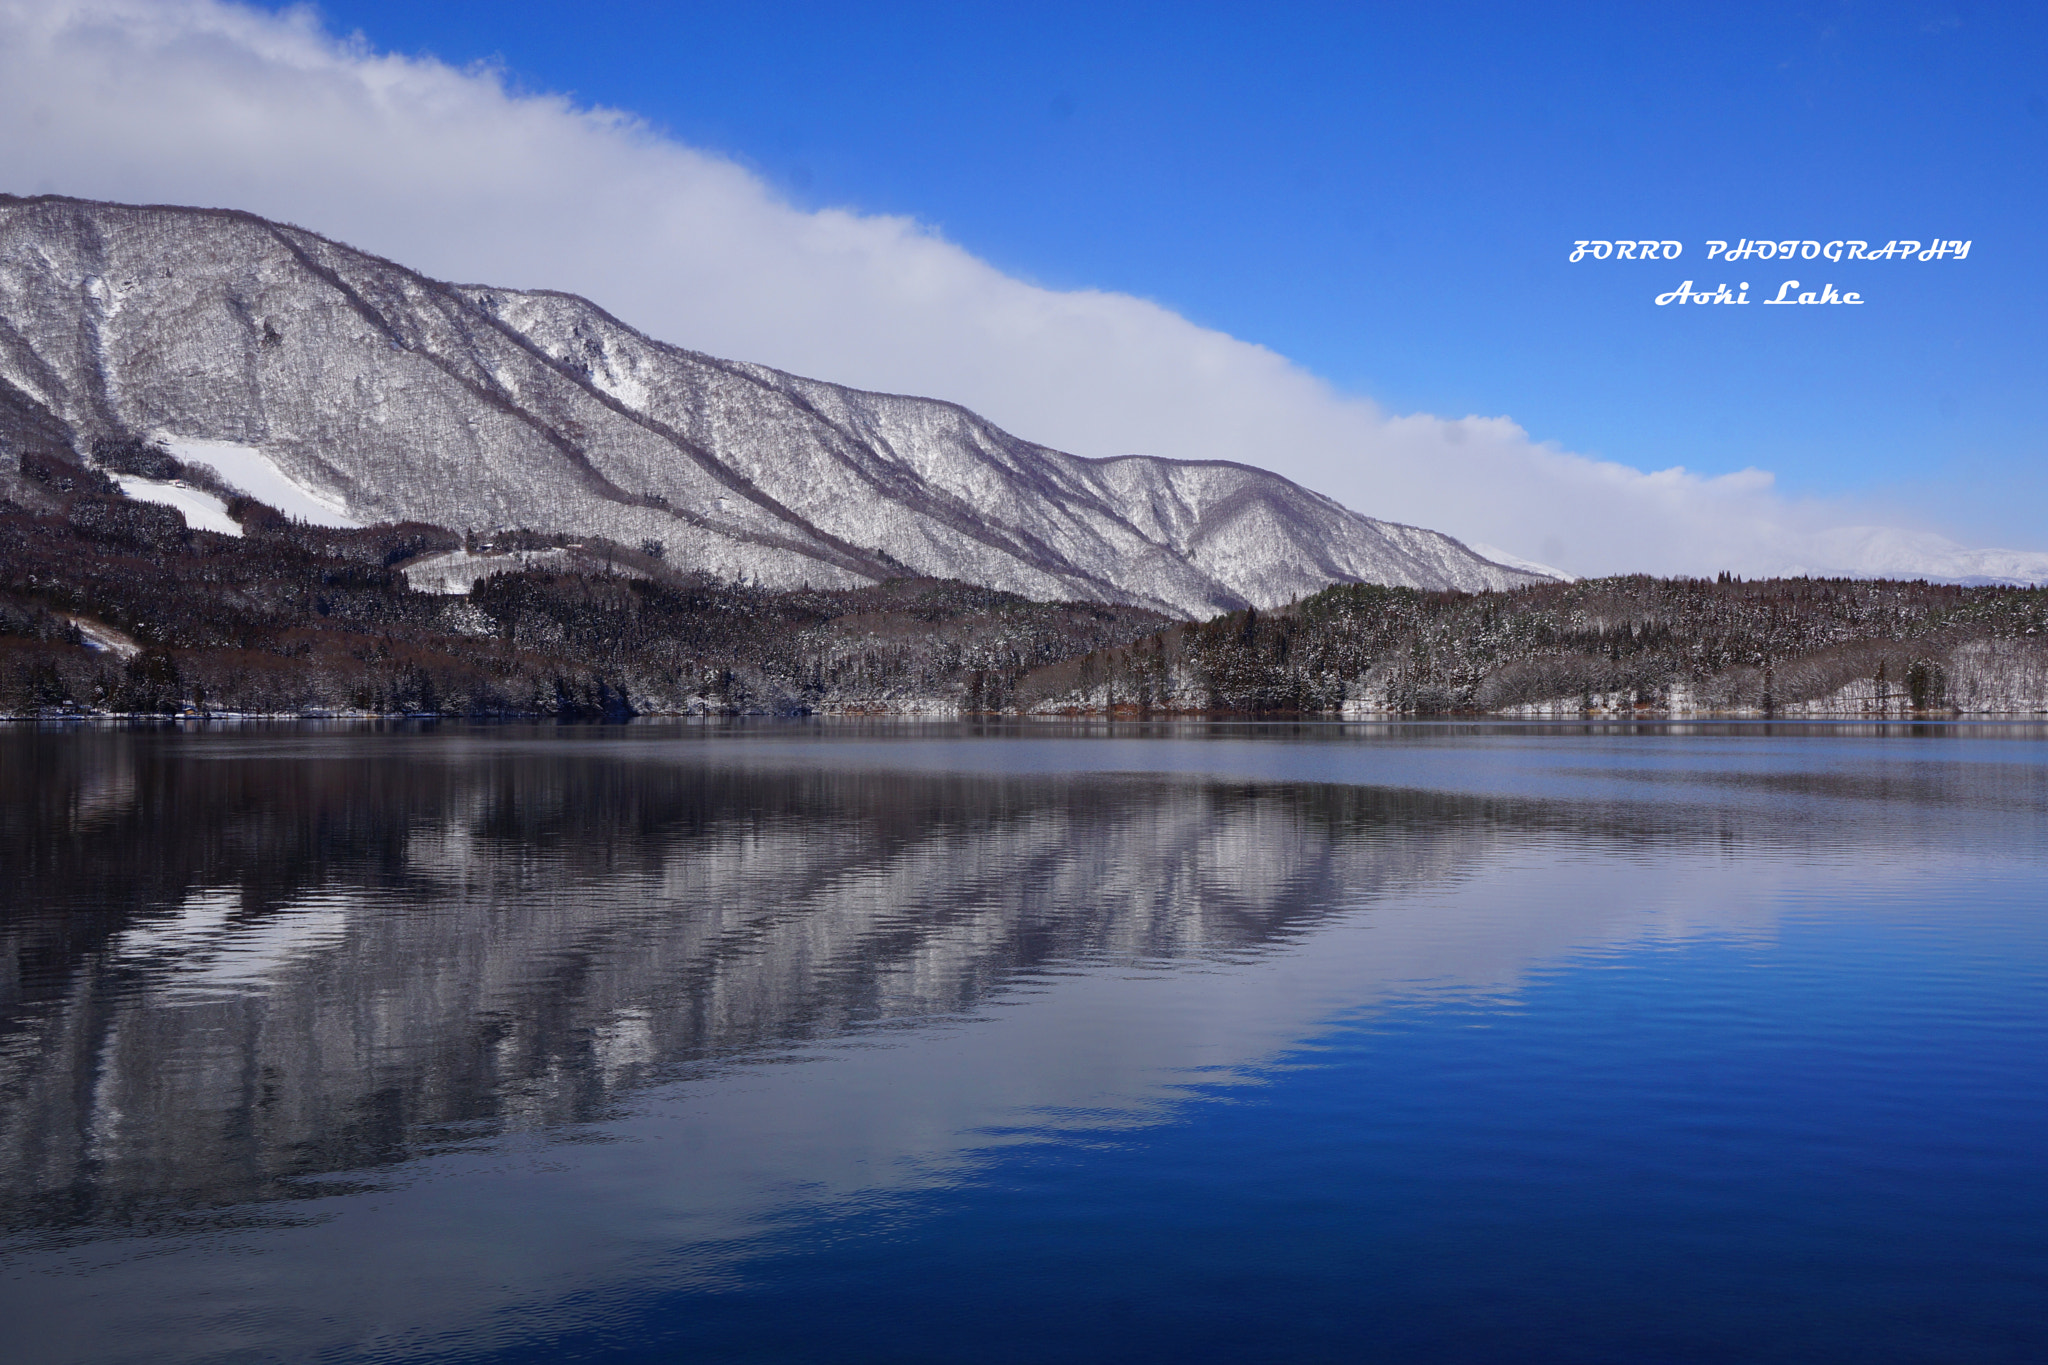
[364, 388]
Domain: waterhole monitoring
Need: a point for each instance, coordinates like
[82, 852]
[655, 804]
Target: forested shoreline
[110, 606]
[1613, 646]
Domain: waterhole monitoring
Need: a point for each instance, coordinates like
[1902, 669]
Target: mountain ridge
[402, 398]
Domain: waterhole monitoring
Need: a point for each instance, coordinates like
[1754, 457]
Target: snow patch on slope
[202, 511]
[454, 573]
[622, 384]
[1500, 556]
[104, 639]
[256, 474]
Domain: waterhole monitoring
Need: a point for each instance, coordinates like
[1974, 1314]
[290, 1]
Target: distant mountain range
[344, 389]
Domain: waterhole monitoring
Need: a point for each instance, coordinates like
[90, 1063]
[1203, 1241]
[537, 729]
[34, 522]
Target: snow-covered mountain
[352, 389]
[1892, 552]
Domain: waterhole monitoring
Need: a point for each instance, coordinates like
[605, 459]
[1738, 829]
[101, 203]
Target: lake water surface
[816, 1042]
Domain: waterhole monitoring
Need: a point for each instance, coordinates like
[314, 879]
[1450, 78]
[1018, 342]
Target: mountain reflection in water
[254, 970]
[236, 969]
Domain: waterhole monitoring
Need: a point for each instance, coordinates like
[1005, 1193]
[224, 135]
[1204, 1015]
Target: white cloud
[448, 171]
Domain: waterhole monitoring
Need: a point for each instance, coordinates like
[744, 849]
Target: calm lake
[829, 1042]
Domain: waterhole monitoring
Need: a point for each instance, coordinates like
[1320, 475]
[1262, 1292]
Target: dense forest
[113, 606]
[1600, 646]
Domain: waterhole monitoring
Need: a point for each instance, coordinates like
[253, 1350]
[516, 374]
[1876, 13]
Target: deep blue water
[931, 1044]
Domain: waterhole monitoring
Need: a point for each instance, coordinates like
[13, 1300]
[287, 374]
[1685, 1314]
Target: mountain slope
[391, 396]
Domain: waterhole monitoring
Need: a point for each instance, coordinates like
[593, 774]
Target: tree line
[109, 605]
[1600, 645]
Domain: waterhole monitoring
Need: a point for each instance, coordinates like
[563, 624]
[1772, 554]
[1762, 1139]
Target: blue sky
[1332, 242]
[1387, 194]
